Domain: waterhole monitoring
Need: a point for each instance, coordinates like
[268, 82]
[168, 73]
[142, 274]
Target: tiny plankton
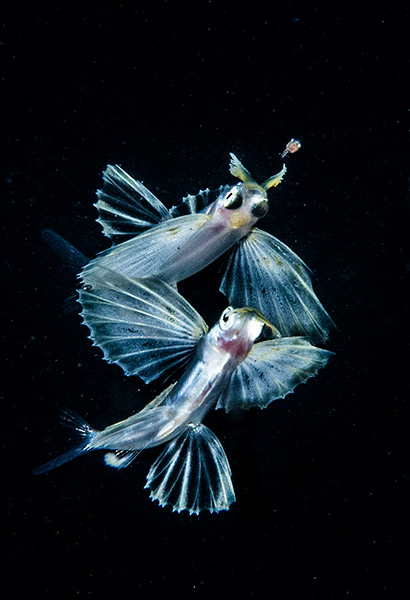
[291, 147]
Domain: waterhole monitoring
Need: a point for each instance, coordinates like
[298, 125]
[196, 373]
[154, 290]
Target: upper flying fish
[152, 241]
[149, 329]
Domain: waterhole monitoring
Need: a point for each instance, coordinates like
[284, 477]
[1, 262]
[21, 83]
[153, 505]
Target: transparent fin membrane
[192, 473]
[126, 207]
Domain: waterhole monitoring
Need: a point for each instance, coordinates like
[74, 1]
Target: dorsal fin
[195, 204]
[126, 207]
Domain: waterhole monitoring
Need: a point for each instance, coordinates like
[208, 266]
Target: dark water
[323, 477]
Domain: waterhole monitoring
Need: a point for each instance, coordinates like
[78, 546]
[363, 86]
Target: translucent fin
[70, 304]
[119, 459]
[69, 254]
[70, 418]
[275, 180]
[144, 326]
[195, 204]
[126, 207]
[158, 400]
[237, 169]
[192, 473]
[272, 370]
[145, 254]
[263, 272]
[73, 420]
[72, 259]
[60, 460]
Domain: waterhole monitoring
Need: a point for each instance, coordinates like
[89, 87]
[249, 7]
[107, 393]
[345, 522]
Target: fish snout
[260, 327]
[269, 332]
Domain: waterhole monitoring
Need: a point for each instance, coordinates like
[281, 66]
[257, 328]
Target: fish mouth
[268, 331]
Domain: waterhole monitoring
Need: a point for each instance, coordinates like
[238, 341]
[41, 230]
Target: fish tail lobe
[192, 473]
[71, 419]
[69, 254]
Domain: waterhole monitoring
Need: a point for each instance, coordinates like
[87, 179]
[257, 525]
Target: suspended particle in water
[291, 147]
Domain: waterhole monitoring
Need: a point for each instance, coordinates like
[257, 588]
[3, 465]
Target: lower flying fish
[149, 330]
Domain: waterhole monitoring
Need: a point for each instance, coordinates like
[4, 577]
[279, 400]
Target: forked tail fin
[70, 255]
[60, 460]
[72, 259]
[73, 420]
[192, 473]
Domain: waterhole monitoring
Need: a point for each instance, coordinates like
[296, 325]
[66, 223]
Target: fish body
[151, 241]
[218, 353]
[147, 328]
[189, 243]
[222, 230]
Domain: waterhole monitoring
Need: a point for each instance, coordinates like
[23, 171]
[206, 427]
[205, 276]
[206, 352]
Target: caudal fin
[59, 460]
[73, 420]
[69, 254]
[192, 473]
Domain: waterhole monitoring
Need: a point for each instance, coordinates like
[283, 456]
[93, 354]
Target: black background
[322, 477]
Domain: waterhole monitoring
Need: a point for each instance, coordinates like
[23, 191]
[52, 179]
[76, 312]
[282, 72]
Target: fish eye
[259, 209]
[225, 319]
[233, 199]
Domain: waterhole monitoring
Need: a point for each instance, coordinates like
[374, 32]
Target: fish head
[239, 328]
[243, 204]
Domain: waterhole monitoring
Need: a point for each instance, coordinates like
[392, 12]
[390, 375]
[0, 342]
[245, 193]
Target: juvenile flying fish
[151, 241]
[150, 330]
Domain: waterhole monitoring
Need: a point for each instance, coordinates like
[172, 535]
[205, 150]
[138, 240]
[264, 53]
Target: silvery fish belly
[148, 329]
[151, 241]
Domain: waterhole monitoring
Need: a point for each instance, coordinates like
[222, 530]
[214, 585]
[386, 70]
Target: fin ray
[68, 253]
[126, 207]
[237, 169]
[272, 370]
[192, 473]
[120, 459]
[71, 419]
[263, 272]
[144, 326]
[196, 204]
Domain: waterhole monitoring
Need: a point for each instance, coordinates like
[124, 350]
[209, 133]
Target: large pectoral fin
[145, 254]
[144, 326]
[126, 207]
[272, 370]
[264, 273]
[192, 473]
